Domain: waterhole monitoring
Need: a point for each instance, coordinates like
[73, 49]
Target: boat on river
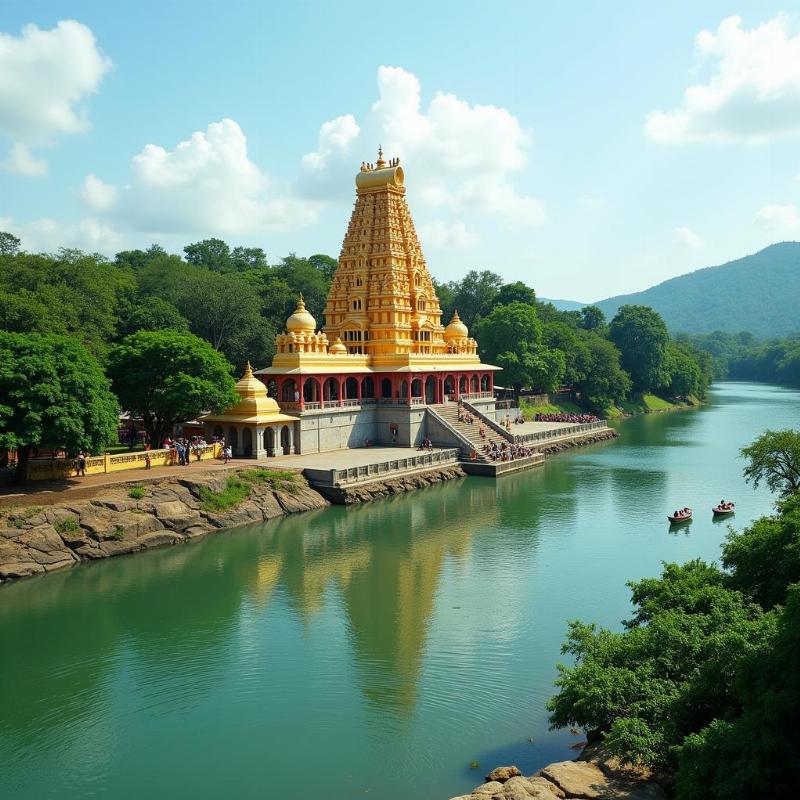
[724, 509]
[682, 516]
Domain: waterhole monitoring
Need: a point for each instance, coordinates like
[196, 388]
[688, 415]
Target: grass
[66, 525]
[136, 492]
[234, 493]
[277, 479]
[20, 519]
[118, 534]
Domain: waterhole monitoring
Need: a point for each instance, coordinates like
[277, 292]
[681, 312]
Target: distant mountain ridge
[759, 293]
[564, 305]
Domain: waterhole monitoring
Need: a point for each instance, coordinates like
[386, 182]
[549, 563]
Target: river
[368, 651]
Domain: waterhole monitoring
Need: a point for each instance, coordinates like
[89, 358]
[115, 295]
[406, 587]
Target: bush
[234, 493]
[136, 492]
[277, 479]
[66, 525]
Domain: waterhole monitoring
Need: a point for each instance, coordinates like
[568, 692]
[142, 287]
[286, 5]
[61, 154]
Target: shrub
[66, 525]
[119, 533]
[136, 492]
[277, 479]
[234, 493]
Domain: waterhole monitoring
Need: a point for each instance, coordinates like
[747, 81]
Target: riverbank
[594, 774]
[130, 517]
[643, 404]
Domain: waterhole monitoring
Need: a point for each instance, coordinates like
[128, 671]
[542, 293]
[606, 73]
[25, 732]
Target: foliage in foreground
[705, 679]
[234, 493]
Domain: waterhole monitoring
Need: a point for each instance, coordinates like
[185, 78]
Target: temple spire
[380, 163]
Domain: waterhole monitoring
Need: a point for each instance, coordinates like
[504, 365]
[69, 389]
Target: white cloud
[98, 194]
[464, 157]
[21, 161]
[45, 78]
[444, 235]
[752, 95]
[47, 235]
[782, 220]
[206, 185]
[686, 236]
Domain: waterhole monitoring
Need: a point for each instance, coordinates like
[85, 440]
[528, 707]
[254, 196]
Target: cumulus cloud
[465, 157]
[46, 77]
[686, 236]
[444, 235]
[205, 184]
[752, 94]
[47, 235]
[783, 220]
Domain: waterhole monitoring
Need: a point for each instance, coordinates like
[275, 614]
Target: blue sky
[550, 142]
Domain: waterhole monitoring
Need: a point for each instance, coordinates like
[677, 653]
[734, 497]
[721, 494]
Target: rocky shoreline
[171, 511]
[594, 775]
[593, 437]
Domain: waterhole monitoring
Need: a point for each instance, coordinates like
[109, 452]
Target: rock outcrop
[171, 511]
[602, 435]
[593, 776]
[362, 493]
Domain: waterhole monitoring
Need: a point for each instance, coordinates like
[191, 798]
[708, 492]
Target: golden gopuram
[382, 357]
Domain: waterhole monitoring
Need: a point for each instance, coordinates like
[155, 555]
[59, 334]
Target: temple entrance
[484, 383]
[386, 388]
[247, 442]
[368, 388]
[449, 386]
[462, 385]
[330, 390]
[403, 395]
[430, 390]
[269, 442]
[416, 388]
[233, 439]
[351, 389]
[474, 383]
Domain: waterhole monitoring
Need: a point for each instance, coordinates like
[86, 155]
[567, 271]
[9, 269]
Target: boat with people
[724, 508]
[679, 516]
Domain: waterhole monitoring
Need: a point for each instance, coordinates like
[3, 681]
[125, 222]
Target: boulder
[578, 779]
[115, 504]
[488, 789]
[176, 515]
[502, 774]
[159, 539]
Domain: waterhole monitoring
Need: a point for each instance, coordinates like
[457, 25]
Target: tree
[52, 394]
[642, 338]
[774, 458]
[245, 259]
[9, 244]
[683, 371]
[476, 295]
[516, 292]
[311, 279]
[603, 383]
[511, 337]
[152, 314]
[166, 377]
[446, 292]
[593, 319]
[210, 253]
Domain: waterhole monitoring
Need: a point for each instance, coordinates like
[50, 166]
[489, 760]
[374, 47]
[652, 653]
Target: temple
[382, 359]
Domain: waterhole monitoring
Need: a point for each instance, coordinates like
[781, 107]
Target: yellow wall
[47, 469]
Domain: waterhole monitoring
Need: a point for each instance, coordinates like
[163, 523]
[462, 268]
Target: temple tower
[382, 301]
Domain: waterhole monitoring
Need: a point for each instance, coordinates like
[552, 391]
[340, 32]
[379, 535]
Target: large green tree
[774, 458]
[602, 382]
[476, 295]
[511, 337]
[641, 336]
[166, 377]
[52, 394]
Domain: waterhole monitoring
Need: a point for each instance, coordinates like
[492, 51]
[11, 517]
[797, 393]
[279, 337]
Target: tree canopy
[774, 458]
[642, 339]
[166, 377]
[53, 394]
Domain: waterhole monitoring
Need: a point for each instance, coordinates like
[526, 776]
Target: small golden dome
[301, 320]
[253, 394]
[456, 329]
[337, 348]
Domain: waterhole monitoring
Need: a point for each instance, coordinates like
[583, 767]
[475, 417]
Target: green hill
[564, 305]
[758, 293]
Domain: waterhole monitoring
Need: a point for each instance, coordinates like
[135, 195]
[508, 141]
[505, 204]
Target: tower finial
[380, 164]
[248, 370]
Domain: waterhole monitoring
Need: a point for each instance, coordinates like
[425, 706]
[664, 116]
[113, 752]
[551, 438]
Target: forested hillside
[759, 293]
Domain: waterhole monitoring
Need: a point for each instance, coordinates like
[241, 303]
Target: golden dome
[456, 329]
[337, 348]
[253, 393]
[301, 320]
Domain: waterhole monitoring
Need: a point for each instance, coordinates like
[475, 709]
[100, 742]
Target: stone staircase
[467, 434]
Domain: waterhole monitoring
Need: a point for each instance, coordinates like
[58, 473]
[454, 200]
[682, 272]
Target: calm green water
[371, 651]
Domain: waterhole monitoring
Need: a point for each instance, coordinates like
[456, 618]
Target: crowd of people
[504, 451]
[560, 417]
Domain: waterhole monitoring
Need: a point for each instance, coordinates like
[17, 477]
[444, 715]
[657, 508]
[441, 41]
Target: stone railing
[496, 427]
[40, 469]
[560, 433]
[477, 395]
[383, 469]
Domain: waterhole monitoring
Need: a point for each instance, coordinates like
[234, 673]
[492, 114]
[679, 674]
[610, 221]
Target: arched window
[350, 389]
[386, 388]
[416, 388]
[474, 383]
[484, 383]
[289, 393]
[368, 387]
[356, 305]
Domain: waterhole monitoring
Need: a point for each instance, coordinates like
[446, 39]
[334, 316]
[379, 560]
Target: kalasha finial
[380, 163]
[300, 302]
[248, 370]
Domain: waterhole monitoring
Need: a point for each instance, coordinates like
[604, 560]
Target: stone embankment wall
[35, 540]
[362, 493]
[557, 446]
[593, 775]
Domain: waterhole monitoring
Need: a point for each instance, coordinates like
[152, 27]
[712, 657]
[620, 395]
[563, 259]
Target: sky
[587, 148]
